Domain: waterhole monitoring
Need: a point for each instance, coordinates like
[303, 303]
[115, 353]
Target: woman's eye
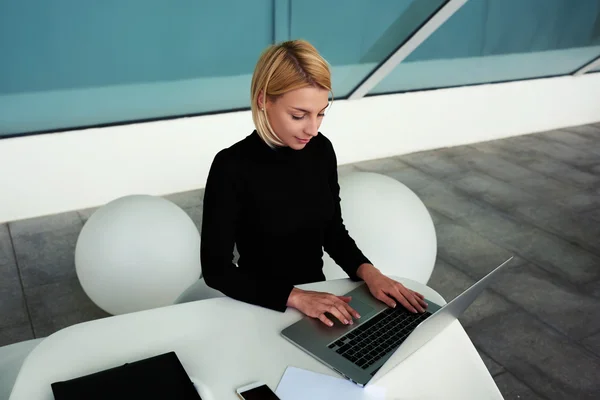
[321, 115]
[297, 117]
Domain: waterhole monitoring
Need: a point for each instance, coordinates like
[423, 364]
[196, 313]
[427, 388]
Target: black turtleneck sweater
[281, 207]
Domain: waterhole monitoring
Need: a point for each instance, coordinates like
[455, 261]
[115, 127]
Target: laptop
[383, 337]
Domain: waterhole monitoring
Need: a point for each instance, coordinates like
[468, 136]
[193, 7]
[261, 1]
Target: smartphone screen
[259, 393]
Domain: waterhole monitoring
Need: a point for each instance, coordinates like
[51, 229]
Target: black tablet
[155, 378]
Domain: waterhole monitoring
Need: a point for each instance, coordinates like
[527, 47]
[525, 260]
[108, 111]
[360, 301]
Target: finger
[347, 299]
[352, 311]
[343, 307]
[421, 299]
[396, 294]
[381, 295]
[333, 310]
[422, 302]
[419, 295]
[411, 297]
[325, 320]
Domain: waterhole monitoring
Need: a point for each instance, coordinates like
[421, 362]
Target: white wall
[52, 173]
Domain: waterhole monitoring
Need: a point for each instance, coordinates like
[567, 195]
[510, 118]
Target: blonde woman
[275, 194]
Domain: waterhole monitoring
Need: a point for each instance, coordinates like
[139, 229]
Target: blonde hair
[282, 68]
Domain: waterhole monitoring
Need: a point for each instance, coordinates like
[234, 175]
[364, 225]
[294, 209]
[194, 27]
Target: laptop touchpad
[362, 309]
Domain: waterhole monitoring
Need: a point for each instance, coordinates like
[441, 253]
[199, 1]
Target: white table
[224, 344]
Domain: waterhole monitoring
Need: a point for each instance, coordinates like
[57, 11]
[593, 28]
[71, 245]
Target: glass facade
[359, 36]
[69, 64]
[502, 40]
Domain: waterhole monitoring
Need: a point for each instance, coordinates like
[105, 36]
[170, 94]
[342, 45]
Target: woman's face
[297, 115]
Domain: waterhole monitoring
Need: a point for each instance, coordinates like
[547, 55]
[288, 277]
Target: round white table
[224, 344]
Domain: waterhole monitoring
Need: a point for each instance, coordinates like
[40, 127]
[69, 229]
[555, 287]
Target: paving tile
[554, 301]
[575, 228]
[513, 389]
[569, 138]
[531, 243]
[523, 157]
[57, 305]
[592, 288]
[12, 306]
[381, 165]
[438, 218]
[581, 201]
[50, 223]
[412, 178]
[480, 217]
[542, 358]
[556, 255]
[592, 131]
[495, 166]
[187, 199]
[593, 343]
[555, 150]
[9, 275]
[434, 162]
[449, 282]
[493, 367]
[346, 169]
[469, 251]
[496, 192]
[539, 162]
[564, 172]
[45, 248]
[195, 214]
[15, 334]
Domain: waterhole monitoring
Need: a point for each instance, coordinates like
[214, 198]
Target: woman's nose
[312, 128]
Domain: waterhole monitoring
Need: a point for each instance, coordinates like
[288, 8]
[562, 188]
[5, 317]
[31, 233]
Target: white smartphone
[256, 391]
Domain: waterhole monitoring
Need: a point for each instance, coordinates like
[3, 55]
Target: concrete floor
[536, 196]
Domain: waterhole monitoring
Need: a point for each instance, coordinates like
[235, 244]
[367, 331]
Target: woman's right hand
[316, 304]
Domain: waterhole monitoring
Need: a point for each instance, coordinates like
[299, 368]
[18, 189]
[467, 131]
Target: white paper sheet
[300, 384]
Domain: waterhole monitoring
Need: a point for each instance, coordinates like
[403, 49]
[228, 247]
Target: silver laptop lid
[436, 323]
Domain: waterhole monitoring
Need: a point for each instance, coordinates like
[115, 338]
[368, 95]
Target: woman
[275, 194]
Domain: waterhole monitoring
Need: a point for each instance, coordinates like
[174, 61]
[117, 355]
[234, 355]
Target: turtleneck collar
[279, 153]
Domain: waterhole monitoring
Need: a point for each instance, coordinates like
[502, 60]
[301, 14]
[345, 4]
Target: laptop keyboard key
[344, 348]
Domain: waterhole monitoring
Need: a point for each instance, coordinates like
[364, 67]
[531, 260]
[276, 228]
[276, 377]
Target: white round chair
[137, 252]
[389, 223]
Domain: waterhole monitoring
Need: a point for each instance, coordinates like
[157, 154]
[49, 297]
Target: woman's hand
[389, 291]
[316, 304]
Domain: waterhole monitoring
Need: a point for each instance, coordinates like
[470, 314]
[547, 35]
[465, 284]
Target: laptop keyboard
[377, 337]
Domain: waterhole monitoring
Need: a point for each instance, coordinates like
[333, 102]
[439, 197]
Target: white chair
[137, 252]
[11, 360]
[389, 223]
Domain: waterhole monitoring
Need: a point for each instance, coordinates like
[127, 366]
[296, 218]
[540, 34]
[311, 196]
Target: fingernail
[346, 321]
[351, 322]
[393, 305]
[357, 315]
[330, 323]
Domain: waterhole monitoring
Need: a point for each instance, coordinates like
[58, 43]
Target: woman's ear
[261, 100]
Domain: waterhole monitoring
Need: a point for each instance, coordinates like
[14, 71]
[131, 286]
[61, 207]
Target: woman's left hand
[390, 291]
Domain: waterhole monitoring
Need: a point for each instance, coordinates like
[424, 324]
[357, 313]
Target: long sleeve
[223, 200]
[338, 242]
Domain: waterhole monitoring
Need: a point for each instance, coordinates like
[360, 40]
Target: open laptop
[383, 337]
